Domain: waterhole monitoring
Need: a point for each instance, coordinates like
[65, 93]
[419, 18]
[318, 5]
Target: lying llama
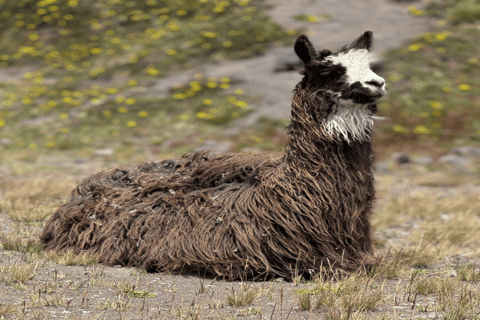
[238, 216]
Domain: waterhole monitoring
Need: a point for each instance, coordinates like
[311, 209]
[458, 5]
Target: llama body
[238, 216]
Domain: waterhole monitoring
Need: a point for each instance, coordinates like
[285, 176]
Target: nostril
[376, 83]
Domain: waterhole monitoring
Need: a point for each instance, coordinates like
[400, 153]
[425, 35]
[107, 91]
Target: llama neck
[313, 147]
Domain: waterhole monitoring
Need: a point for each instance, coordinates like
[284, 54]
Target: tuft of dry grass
[6, 309]
[305, 302]
[12, 243]
[244, 297]
[17, 274]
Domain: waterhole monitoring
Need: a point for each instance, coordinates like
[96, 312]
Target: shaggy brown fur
[232, 215]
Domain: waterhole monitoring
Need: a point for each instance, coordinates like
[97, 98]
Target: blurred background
[92, 83]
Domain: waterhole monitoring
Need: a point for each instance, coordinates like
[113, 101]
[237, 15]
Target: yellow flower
[119, 99]
[63, 116]
[132, 83]
[201, 115]
[181, 12]
[447, 89]
[96, 50]
[211, 84]
[464, 87]
[227, 44]
[171, 52]
[122, 110]
[209, 34]
[421, 129]
[437, 113]
[32, 145]
[64, 130]
[152, 71]
[131, 124]
[2, 122]
[50, 144]
[415, 47]
[225, 80]
[184, 117]
[207, 101]
[130, 101]
[179, 96]
[312, 18]
[33, 36]
[242, 104]
[68, 17]
[112, 90]
[398, 128]
[195, 85]
[435, 104]
[142, 114]
[224, 86]
[239, 91]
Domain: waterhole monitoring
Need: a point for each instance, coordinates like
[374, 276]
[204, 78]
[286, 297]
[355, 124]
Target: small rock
[400, 158]
[455, 160]
[5, 141]
[279, 280]
[80, 161]
[425, 161]
[468, 151]
[103, 152]
[117, 266]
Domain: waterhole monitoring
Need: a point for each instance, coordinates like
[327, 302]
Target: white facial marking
[357, 63]
[349, 121]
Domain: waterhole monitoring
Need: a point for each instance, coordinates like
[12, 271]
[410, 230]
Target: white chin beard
[349, 121]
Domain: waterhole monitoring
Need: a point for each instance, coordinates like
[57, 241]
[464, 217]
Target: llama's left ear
[363, 42]
[304, 49]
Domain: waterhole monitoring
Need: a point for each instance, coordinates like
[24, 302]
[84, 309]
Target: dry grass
[245, 296]
[15, 274]
[33, 199]
[69, 258]
[417, 228]
[6, 310]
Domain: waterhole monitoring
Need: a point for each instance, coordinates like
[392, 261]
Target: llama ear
[304, 49]
[363, 42]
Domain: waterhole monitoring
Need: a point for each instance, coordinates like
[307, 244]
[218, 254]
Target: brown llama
[238, 216]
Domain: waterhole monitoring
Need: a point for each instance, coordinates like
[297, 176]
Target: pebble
[103, 152]
[400, 158]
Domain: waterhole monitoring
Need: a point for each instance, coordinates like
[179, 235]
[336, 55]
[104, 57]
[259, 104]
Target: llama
[237, 216]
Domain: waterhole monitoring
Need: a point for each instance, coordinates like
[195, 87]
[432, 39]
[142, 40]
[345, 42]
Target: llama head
[344, 79]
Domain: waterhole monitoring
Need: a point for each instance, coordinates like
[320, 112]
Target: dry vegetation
[427, 237]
